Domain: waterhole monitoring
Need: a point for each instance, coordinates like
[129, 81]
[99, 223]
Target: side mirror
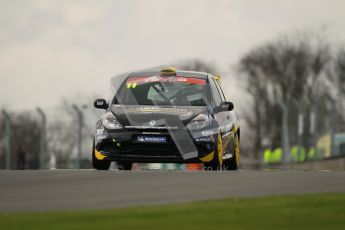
[226, 106]
[100, 104]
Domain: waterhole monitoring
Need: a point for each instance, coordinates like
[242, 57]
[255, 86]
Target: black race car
[167, 116]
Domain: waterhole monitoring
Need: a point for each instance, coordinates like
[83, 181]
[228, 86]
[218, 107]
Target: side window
[220, 90]
[215, 92]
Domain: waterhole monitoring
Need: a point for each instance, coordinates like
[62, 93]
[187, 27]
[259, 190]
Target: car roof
[156, 71]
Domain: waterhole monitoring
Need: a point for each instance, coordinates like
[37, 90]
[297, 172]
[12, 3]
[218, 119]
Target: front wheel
[217, 161]
[234, 148]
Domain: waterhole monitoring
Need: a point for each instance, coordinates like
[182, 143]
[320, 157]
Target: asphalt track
[88, 189]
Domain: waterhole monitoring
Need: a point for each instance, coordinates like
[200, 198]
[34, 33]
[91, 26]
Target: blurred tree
[339, 84]
[278, 74]
[339, 69]
[61, 141]
[63, 129]
[25, 138]
[2, 148]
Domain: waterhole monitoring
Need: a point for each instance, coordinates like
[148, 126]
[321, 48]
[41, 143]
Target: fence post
[80, 118]
[300, 128]
[8, 135]
[42, 137]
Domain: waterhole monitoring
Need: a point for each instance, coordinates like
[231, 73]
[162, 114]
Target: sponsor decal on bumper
[147, 139]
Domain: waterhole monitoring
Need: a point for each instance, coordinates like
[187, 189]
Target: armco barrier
[334, 163]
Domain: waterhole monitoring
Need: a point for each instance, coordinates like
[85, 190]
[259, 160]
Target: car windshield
[157, 90]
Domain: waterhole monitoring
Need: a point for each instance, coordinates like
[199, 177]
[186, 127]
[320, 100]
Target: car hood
[155, 116]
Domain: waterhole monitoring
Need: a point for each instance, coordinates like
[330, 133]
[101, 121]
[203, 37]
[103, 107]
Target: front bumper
[122, 145]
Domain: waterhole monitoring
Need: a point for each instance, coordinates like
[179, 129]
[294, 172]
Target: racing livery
[167, 116]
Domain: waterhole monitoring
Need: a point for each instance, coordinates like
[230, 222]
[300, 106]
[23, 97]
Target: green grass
[323, 211]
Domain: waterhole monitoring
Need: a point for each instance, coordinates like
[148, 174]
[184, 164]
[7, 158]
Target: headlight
[199, 122]
[110, 122]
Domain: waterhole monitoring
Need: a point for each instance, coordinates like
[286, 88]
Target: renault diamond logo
[152, 123]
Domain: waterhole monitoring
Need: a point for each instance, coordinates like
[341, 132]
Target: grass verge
[322, 211]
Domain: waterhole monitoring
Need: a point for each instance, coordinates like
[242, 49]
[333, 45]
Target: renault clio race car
[167, 116]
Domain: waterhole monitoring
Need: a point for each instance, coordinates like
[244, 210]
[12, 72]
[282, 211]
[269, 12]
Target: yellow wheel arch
[220, 148]
[98, 155]
[237, 148]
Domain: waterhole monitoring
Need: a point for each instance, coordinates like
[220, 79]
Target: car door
[224, 118]
[218, 98]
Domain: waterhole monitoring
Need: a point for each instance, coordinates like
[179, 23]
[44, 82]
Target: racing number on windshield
[131, 85]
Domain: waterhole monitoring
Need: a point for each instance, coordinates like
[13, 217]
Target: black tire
[99, 164]
[216, 163]
[234, 148]
[124, 165]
